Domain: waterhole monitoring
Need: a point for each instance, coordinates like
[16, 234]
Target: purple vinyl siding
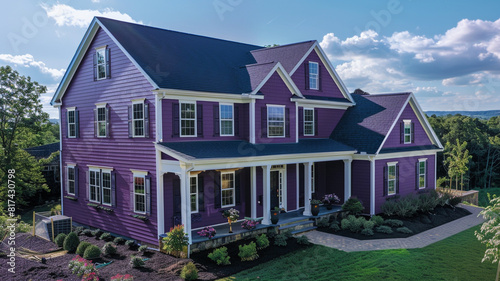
[329, 178]
[407, 177]
[327, 120]
[421, 138]
[126, 83]
[328, 87]
[360, 182]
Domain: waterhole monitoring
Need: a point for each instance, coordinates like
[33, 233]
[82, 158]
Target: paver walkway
[416, 241]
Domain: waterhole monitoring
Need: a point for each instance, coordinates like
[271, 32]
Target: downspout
[60, 160]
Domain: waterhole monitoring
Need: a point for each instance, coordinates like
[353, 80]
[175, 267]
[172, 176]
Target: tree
[490, 233]
[458, 161]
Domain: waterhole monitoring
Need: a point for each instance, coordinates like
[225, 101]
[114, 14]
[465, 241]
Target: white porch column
[372, 186]
[266, 175]
[186, 203]
[160, 208]
[251, 120]
[253, 191]
[347, 179]
[307, 189]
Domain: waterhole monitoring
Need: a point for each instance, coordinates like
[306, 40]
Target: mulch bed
[417, 224]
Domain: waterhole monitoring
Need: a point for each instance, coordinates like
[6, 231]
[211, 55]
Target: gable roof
[289, 55]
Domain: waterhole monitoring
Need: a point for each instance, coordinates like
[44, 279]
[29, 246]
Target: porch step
[296, 226]
[304, 230]
[293, 222]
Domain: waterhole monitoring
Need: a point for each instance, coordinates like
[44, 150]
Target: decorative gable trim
[284, 76]
[321, 103]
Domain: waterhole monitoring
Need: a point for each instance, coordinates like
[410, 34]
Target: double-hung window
[138, 118]
[71, 180]
[101, 121]
[228, 192]
[193, 192]
[391, 178]
[188, 119]
[313, 75]
[407, 131]
[101, 63]
[422, 169]
[71, 123]
[226, 120]
[139, 194]
[100, 186]
[276, 121]
[308, 122]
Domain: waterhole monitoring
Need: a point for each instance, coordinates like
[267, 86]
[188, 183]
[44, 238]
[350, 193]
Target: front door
[278, 187]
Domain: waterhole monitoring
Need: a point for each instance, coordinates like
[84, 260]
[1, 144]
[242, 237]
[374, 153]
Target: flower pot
[275, 216]
[329, 206]
[314, 209]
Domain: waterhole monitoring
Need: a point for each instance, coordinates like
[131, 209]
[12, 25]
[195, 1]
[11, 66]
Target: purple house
[160, 128]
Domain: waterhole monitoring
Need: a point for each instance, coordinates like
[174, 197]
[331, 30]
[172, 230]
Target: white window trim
[406, 122]
[138, 101]
[232, 188]
[220, 120]
[107, 171]
[98, 184]
[392, 164]
[284, 120]
[195, 118]
[196, 193]
[140, 175]
[97, 50]
[424, 160]
[74, 178]
[317, 75]
[304, 118]
[72, 109]
[102, 105]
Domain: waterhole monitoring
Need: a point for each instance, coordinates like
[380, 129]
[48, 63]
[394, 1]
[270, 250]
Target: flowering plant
[330, 199]
[249, 224]
[315, 201]
[207, 232]
[81, 266]
[120, 277]
[231, 214]
[91, 276]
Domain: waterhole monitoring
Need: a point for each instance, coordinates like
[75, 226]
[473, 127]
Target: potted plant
[231, 215]
[275, 215]
[315, 206]
[330, 199]
[208, 232]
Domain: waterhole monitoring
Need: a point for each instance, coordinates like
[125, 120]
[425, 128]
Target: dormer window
[313, 75]
[101, 63]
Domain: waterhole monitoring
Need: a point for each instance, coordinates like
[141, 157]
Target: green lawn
[455, 258]
[27, 217]
[483, 195]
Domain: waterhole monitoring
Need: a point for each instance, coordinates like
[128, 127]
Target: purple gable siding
[360, 182]
[126, 83]
[276, 93]
[407, 177]
[421, 138]
[328, 86]
[327, 121]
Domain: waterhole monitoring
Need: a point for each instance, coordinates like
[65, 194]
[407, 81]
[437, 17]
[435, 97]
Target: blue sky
[446, 52]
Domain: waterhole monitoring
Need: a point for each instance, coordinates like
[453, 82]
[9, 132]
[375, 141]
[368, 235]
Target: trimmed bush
[378, 220]
[92, 252]
[71, 242]
[280, 240]
[405, 230]
[220, 256]
[82, 247]
[119, 240]
[368, 224]
[427, 202]
[303, 240]
[352, 223]
[78, 230]
[189, 272]
[175, 241]
[106, 236]
[384, 229]
[262, 242]
[444, 198]
[288, 234]
[87, 232]
[334, 226]
[353, 206]
[130, 243]
[393, 223]
[389, 207]
[136, 262]
[249, 252]
[96, 232]
[272, 233]
[109, 249]
[367, 232]
[143, 248]
[323, 223]
[407, 206]
[59, 240]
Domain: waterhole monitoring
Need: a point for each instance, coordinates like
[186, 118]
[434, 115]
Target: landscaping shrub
[280, 240]
[130, 243]
[378, 220]
[407, 206]
[78, 230]
[92, 252]
[393, 223]
[288, 234]
[136, 262]
[71, 242]
[303, 240]
[189, 272]
[444, 198]
[96, 232]
[87, 232]
[262, 242]
[220, 256]
[248, 252]
[368, 224]
[405, 230]
[353, 206]
[389, 207]
[352, 223]
[119, 240]
[81, 247]
[384, 229]
[272, 233]
[367, 232]
[427, 202]
[106, 236]
[109, 249]
[60, 239]
[455, 200]
[143, 248]
[335, 226]
[122, 277]
[175, 241]
[323, 222]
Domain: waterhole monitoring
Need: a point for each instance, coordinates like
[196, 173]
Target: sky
[446, 52]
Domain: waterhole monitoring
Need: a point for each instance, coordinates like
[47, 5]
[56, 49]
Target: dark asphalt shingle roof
[288, 55]
[43, 151]
[233, 149]
[365, 125]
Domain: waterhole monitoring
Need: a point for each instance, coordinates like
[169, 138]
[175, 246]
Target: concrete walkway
[420, 240]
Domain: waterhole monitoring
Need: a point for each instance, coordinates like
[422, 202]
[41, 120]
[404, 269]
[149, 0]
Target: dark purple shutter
[426, 174]
[77, 181]
[417, 169]
[301, 121]
[217, 190]
[201, 194]
[113, 188]
[412, 132]
[175, 120]
[306, 74]
[402, 139]
[177, 196]
[146, 120]
[320, 78]
[87, 188]
[108, 64]
[132, 199]
[67, 123]
[77, 123]
[316, 121]
[95, 66]
[130, 133]
[237, 183]
[386, 177]
[199, 119]
[96, 133]
[287, 122]
[263, 122]
[397, 178]
[148, 194]
[108, 134]
[216, 121]
[236, 120]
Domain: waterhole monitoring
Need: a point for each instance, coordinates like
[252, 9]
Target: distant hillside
[55, 121]
[475, 114]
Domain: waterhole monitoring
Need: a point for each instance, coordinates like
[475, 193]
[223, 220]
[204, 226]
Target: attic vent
[360, 92]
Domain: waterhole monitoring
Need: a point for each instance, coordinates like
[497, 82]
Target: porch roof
[236, 149]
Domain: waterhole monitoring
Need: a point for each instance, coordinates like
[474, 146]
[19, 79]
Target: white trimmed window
[95, 185]
[422, 169]
[71, 180]
[138, 118]
[106, 187]
[313, 187]
[391, 178]
[193, 192]
[188, 119]
[101, 63]
[71, 123]
[313, 75]
[226, 119]
[407, 131]
[101, 121]
[275, 121]
[228, 193]
[308, 122]
[139, 193]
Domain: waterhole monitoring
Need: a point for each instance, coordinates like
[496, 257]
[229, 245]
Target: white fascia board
[423, 120]
[173, 153]
[366, 157]
[321, 103]
[407, 154]
[393, 124]
[205, 96]
[284, 76]
[170, 166]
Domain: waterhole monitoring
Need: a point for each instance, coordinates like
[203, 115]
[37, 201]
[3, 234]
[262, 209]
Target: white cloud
[28, 60]
[65, 15]
[96, 1]
[45, 100]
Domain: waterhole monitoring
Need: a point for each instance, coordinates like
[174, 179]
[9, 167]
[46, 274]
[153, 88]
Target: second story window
[138, 119]
[101, 121]
[188, 119]
[407, 131]
[313, 76]
[308, 122]
[276, 121]
[226, 120]
[71, 124]
[101, 63]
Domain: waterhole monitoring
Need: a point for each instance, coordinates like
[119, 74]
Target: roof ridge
[388, 94]
[259, 64]
[281, 46]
